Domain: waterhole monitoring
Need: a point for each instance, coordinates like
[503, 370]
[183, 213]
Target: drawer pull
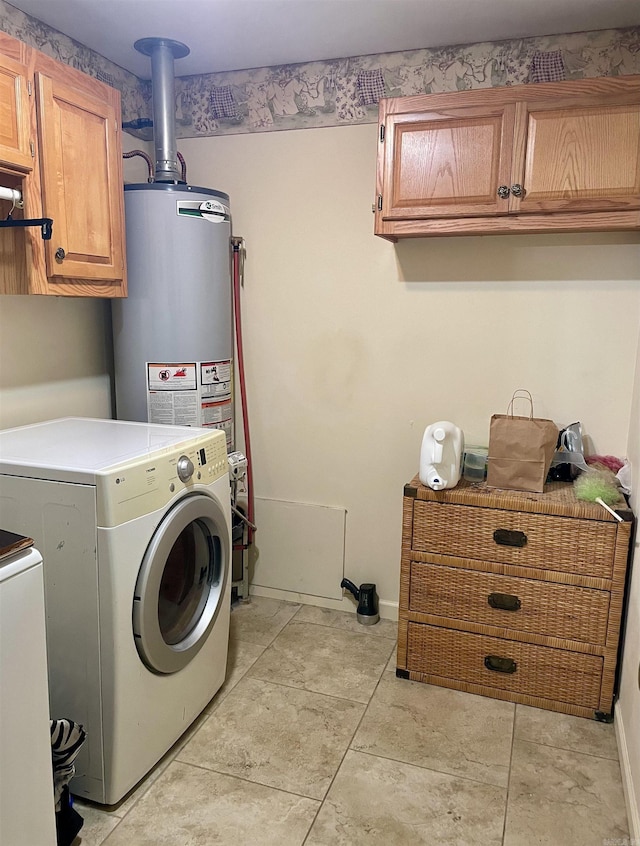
[500, 665]
[509, 537]
[504, 601]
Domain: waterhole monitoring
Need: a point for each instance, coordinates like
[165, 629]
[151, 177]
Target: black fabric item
[68, 820]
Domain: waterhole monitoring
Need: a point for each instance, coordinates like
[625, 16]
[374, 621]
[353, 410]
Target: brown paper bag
[520, 449]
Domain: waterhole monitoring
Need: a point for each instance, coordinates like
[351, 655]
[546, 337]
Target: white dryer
[134, 523]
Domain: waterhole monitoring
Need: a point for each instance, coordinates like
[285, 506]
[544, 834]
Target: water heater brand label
[211, 210]
[193, 393]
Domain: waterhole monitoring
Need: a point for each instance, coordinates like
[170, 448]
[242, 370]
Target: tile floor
[313, 740]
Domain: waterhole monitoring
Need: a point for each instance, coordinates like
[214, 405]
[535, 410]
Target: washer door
[181, 584]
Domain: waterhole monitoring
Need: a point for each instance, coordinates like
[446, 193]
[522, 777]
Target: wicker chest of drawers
[513, 595]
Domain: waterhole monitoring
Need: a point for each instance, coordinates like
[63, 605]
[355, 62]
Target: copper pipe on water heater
[144, 156]
[183, 167]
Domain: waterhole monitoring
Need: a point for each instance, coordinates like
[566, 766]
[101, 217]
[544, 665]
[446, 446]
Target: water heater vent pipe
[163, 51]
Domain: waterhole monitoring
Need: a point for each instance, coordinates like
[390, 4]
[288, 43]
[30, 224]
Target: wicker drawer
[581, 547]
[544, 608]
[554, 674]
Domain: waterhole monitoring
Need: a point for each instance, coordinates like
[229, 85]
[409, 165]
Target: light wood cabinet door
[577, 156]
[15, 149]
[80, 169]
[447, 163]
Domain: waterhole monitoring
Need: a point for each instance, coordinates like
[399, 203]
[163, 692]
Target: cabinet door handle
[60, 254]
[504, 601]
[509, 537]
[503, 192]
[517, 190]
[500, 665]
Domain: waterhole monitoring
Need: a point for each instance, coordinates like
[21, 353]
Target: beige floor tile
[378, 801]
[338, 663]
[566, 732]
[189, 806]
[344, 620]
[98, 822]
[242, 655]
[259, 620]
[278, 736]
[438, 728]
[427, 765]
[392, 663]
[561, 797]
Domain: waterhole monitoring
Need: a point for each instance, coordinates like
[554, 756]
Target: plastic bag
[568, 460]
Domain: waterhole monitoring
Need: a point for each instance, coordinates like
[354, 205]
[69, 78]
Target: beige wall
[53, 359]
[353, 345]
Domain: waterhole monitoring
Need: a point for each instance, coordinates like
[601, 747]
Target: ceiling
[235, 34]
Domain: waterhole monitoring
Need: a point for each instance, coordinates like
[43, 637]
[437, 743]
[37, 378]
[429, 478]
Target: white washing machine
[134, 524]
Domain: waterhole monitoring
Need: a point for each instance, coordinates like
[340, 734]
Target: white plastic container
[441, 455]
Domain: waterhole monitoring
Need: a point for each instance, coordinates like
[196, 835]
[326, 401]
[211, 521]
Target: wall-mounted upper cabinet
[73, 175]
[548, 157]
[81, 182]
[15, 150]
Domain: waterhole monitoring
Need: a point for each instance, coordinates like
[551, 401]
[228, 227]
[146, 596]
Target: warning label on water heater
[172, 377]
[193, 393]
[215, 377]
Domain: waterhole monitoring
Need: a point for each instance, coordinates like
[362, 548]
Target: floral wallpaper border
[333, 92]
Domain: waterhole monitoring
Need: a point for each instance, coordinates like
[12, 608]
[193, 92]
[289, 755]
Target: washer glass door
[181, 583]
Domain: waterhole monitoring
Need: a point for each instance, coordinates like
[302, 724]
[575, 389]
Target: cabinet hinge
[29, 88]
[382, 132]
[379, 202]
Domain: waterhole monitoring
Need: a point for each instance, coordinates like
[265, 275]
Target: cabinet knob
[517, 190]
[503, 192]
[60, 254]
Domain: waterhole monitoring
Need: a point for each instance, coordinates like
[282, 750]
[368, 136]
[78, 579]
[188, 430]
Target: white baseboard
[388, 610]
[633, 812]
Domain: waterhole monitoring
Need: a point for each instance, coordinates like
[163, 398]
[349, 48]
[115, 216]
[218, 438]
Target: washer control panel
[185, 468]
[140, 487]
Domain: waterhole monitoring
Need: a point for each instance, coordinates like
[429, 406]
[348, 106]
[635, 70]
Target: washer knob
[185, 468]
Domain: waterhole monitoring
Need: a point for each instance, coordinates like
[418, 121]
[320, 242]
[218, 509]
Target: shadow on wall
[519, 258]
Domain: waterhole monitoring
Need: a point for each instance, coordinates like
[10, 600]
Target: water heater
[172, 335]
[173, 343]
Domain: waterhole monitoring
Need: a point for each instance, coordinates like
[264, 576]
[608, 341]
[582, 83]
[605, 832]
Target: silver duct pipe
[163, 51]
